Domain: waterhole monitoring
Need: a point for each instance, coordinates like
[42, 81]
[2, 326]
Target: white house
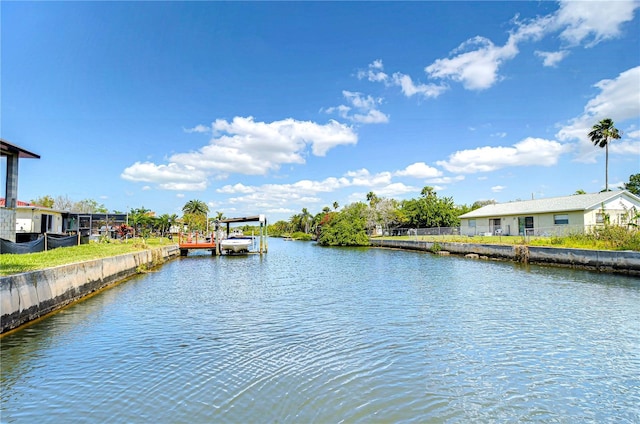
[553, 216]
[31, 221]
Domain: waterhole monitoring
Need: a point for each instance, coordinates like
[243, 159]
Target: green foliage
[278, 229]
[634, 184]
[346, 228]
[195, 207]
[608, 237]
[430, 211]
[601, 134]
[89, 206]
[195, 222]
[301, 236]
[46, 201]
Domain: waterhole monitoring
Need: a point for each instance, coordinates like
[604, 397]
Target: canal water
[307, 334]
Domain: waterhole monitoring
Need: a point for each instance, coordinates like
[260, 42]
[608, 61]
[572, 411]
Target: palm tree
[600, 135]
[336, 205]
[305, 219]
[195, 207]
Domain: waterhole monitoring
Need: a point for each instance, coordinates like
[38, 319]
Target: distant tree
[46, 201]
[345, 228]
[141, 220]
[164, 222]
[430, 211]
[480, 203]
[372, 198]
[305, 218]
[278, 228]
[336, 205]
[634, 184]
[195, 207]
[63, 203]
[580, 191]
[601, 133]
[89, 206]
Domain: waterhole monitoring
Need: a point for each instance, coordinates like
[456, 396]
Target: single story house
[552, 216]
[32, 220]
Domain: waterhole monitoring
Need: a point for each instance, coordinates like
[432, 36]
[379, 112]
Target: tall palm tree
[195, 207]
[600, 135]
[336, 205]
[305, 219]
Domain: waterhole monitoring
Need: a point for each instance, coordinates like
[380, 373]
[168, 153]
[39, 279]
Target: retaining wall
[623, 262]
[31, 295]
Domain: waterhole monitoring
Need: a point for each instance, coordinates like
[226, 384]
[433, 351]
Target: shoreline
[609, 261]
[29, 296]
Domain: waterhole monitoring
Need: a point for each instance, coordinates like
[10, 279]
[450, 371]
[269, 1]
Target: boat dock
[197, 241]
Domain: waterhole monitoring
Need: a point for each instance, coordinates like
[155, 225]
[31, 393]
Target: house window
[561, 219]
[599, 218]
[472, 223]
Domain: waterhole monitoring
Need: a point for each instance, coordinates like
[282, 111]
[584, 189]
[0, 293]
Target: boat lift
[212, 241]
[262, 235]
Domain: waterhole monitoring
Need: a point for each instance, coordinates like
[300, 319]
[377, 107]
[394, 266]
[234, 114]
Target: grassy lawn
[15, 264]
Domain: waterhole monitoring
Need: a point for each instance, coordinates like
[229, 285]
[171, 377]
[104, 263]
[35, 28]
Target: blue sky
[273, 107]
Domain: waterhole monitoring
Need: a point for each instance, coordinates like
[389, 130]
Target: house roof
[8, 149]
[3, 203]
[576, 202]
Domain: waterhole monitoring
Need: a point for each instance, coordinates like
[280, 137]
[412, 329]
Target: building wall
[29, 220]
[8, 224]
[543, 224]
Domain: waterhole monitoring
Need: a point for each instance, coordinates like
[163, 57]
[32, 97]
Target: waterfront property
[309, 334]
[552, 216]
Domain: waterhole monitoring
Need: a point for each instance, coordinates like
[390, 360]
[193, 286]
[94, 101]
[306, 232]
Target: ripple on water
[306, 334]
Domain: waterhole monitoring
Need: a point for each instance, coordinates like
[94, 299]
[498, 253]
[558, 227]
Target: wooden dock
[196, 241]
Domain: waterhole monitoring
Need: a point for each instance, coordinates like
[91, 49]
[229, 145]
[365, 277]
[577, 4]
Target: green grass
[15, 264]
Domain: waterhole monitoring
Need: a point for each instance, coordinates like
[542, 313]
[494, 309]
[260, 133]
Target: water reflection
[308, 334]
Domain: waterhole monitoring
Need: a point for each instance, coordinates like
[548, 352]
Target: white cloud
[497, 189]
[243, 146]
[169, 177]
[593, 21]
[528, 152]
[405, 82]
[475, 63]
[619, 100]
[395, 190]
[364, 178]
[409, 88]
[236, 188]
[375, 72]
[197, 129]
[551, 59]
[363, 109]
[419, 170]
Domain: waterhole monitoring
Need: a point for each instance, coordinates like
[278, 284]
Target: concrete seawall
[31, 295]
[622, 262]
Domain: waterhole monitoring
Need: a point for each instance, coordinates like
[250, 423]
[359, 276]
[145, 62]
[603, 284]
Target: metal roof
[9, 149]
[577, 202]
